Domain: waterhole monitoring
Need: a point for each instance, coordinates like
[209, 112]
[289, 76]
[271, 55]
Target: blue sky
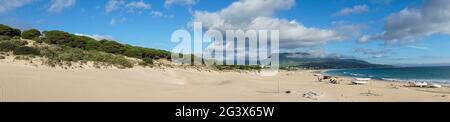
[363, 29]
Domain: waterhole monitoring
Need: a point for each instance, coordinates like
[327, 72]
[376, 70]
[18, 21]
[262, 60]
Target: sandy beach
[21, 81]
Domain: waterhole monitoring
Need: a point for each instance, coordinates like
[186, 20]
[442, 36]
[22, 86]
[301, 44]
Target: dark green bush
[8, 31]
[76, 43]
[92, 45]
[26, 51]
[111, 47]
[31, 34]
[57, 37]
[133, 52]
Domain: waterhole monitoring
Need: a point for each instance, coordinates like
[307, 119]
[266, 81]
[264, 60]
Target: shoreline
[395, 80]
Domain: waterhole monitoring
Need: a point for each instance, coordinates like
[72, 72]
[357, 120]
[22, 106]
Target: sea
[436, 74]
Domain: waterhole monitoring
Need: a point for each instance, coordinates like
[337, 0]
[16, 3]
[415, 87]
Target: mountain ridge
[306, 60]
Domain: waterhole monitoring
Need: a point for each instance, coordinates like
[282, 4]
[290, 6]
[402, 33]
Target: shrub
[26, 51]
[57, 54]
[146, 62]
[57, 37]
[76, 43]
[8, 46]
[8, 31]
[38, 40]
[71, 55]
[133, 52]
[122, 62]
[51, 52]
[80, 41]
[18, 42]
[111, 47]
[31, 34]
[119, 61]
[92, 45]
[3, 37]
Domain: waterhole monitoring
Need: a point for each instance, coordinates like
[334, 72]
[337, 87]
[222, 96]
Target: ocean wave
[400, 75]
[417, 80]
[355, 74]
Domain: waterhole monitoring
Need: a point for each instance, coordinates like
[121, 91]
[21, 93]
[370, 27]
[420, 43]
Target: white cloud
[309, 54]
[258, 14]
[115, 21]
[419, 48]
[169, 3]
[60, 5]
[315, 53]
[156, 14]
[96, 36]
[373, 53]
[160, 14]
[138, 6]
[7, 5]
[413, 24]
[347, 30]
[358, 9]
[113, 5]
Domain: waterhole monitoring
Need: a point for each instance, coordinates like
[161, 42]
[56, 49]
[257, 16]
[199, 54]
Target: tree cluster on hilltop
[64, 46]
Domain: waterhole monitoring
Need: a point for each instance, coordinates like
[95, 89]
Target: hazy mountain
[306, 60]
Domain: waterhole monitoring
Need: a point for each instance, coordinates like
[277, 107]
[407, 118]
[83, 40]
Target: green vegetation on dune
[8, 31]
[86, 43]
[25, 50]
[8, 46]
[59, 54]
[31, 34]
[62, 47]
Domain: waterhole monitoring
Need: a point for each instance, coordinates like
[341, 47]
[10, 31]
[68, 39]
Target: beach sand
[24, 82]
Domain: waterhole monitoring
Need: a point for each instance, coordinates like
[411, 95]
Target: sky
[378, 31]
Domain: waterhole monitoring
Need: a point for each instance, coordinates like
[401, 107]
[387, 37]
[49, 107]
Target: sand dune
[20, 82]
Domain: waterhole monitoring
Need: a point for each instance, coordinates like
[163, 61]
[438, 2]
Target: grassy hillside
[60, 47]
